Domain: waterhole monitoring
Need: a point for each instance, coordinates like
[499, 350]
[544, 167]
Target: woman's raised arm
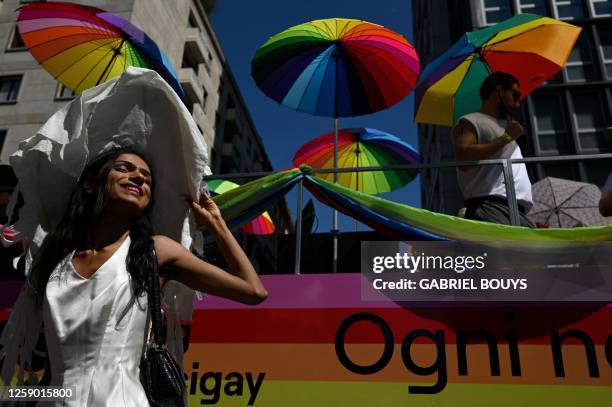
[241, 284]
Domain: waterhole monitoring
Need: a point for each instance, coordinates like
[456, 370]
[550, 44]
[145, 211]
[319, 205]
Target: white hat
[138, 108]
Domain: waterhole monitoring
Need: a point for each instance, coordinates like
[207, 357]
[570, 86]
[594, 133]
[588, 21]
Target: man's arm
[466, 144]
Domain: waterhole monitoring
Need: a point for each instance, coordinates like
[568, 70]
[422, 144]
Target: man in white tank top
[488, 134]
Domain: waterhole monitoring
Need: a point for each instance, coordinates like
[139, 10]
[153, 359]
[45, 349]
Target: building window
[596, 171]
[551, 124]
[569, 9]
[605, 40]
[495, 11]
[591, 121]
[9, 88]
[2, 138]
[601, 8]
[193, 22]
[64, 93]
[539, 7]
[217, 119]
[579, 65]
[15, 43]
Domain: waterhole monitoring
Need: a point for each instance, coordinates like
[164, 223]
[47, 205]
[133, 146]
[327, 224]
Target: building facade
[565, 116]
[29, 95]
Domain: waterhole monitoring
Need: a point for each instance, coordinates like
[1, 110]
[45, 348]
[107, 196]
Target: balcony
[195, 48]
[198, 114]
[189, 81]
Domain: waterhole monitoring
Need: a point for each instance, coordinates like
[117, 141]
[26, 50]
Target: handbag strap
[155, 306]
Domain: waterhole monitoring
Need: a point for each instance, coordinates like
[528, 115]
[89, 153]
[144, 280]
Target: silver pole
[335, 212]
[357, 156]
[298, 228]
[510, 192]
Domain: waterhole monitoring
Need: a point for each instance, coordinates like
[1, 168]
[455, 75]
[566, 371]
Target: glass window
[551, 127]
[601, 8]
[596, 171]
[539, 7]
[569, 9]
[193, 22]
[9, 88]
[16, 41]
[579, 65]
[605, 39]
[591, 119]
[549, 113]
[496, 11]
[64, 93]
[2, 138]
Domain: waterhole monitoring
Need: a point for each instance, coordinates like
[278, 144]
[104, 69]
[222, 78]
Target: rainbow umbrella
[530, 47]
[336, 67]
[261, 225]
[361, 147]
[83, 46]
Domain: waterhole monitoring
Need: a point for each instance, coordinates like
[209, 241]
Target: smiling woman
[101, 249]
[89, 283]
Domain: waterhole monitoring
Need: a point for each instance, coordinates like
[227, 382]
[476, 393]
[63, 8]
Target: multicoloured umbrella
[361, 147]
[83, 46]
[261, 225]
[336, 67]
[530, 47]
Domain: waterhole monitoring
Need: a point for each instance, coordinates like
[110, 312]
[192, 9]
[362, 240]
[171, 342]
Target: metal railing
[507, 172]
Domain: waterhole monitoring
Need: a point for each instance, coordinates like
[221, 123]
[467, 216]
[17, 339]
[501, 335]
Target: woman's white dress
[95, 331]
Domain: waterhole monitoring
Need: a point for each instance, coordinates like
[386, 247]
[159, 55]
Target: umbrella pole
[298, 228]
[357, 155]
[335, 212]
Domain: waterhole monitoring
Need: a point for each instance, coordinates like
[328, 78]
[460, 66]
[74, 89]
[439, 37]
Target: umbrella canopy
[261, 225]
[361, 147]
[530, 47]
[564, 203]
[83, 46]
[336, 67]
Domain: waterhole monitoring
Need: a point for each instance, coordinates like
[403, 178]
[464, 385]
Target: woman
[89, 276]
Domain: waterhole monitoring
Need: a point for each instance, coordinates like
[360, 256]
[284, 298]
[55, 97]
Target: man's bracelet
[507, 137]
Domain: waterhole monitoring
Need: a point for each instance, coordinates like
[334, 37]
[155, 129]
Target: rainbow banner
[314, 342]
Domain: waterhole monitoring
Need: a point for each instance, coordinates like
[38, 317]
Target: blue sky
[242, 26]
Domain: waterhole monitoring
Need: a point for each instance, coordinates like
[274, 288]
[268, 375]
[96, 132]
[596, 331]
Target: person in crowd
[132, 178]
[488, 134]
[11, 246]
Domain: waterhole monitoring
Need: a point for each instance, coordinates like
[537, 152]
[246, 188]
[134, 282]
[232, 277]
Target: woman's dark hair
[74, 229]
[503, 79]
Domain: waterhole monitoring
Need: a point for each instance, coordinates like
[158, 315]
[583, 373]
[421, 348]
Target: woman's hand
[206, 211]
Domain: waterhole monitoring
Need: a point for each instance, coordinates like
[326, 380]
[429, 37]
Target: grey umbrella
[564, 203]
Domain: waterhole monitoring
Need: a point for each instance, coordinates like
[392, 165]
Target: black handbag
[160, 375]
